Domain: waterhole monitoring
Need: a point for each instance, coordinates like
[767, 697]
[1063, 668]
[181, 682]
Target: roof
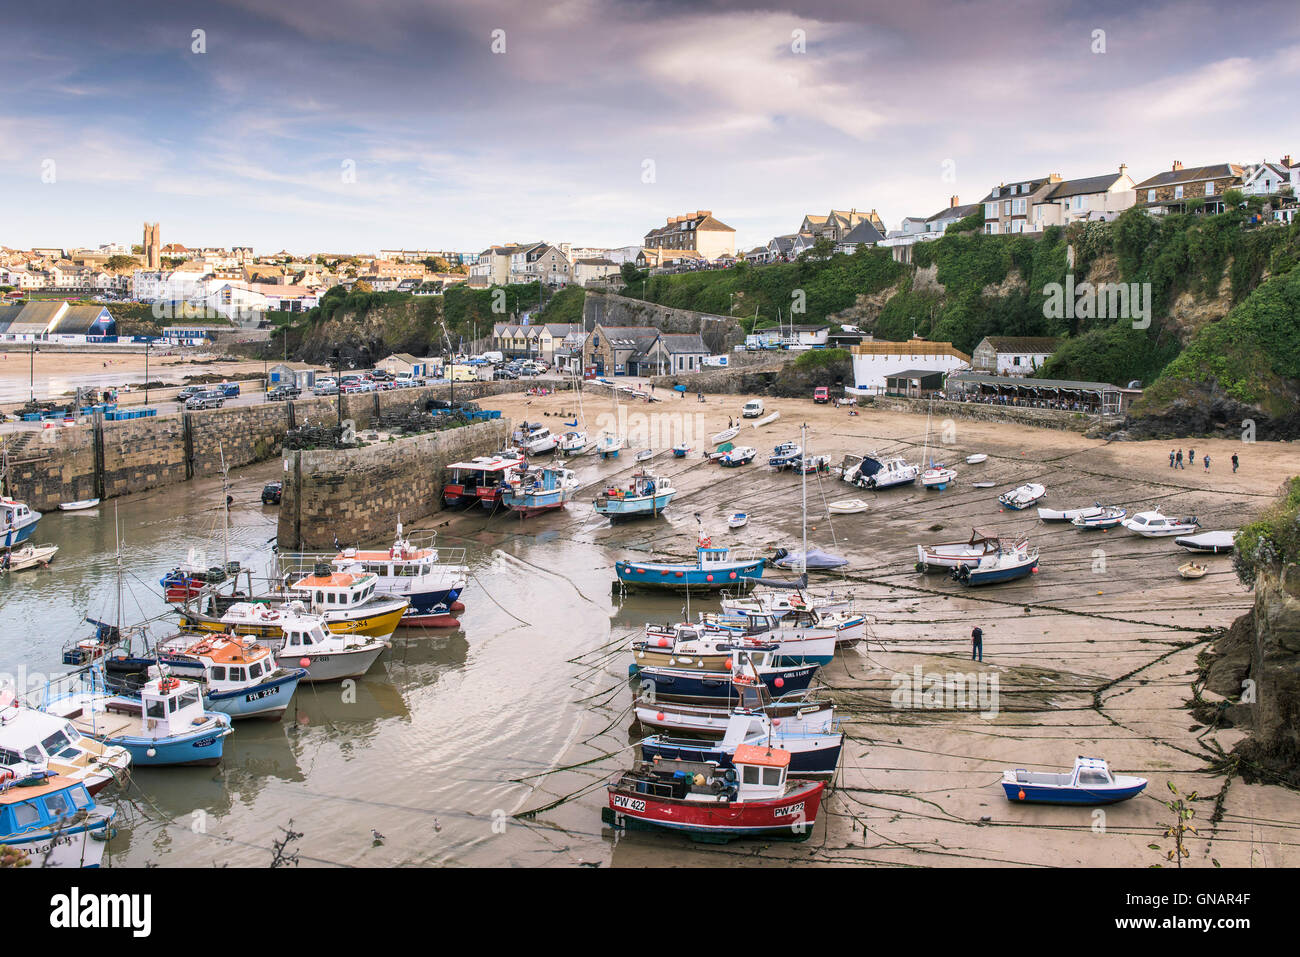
[980, 378]
[335, 580]
[80, 320]
[1023, 344]
[863, 232]
[1079, 187]
[402, 357]
[953, 212]
[1034, 185]
[36, 316]
[767, 757]
[1191, 174]
[913, 374]
[683, 343]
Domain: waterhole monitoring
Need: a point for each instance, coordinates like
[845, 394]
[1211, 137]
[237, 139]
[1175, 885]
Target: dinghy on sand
[847, 506]
[1207, 542]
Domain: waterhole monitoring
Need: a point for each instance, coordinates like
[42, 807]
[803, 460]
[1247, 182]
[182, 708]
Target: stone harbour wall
[357, 495]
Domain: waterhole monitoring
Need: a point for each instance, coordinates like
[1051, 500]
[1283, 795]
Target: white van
[752, 409]
[496, 358]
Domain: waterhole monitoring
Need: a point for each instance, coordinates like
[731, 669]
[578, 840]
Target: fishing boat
[609, 445]
[51, 818]
[737, 520]
[685, 681]
[189, 578]
[79, 506]
[797, 637]
[165, 724]
[1155, 524]
[1090, 782]
[573, 443]
[1107, 516]
[29, 734]
[440, 616]
[879, 473]
[1068, 514]
[239, 676]
[531, 490]
[785, 455]
[813, 464]
[726, 435]
[646, 494]
[17, 522]
[681, 450]
[1022, 496]
[938, 477]
[976, 459]
[1006, 564]
[779, 599]
[1193, 570]
[753, 798]
[1207, 542]
[741, 455]
[537, 439]
[847, 506]
[413, 568]
[953, 554]
[29, 556]
[814, 558]
[708, 716]
[478, 480]
[813, 754]
[714, 568]
[306, 643]
[348, 600]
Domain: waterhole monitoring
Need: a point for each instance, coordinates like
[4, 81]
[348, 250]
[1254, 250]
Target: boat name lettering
[631, 804]
[788, 811]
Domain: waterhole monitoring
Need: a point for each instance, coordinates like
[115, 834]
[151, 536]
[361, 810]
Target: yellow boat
[347, 601]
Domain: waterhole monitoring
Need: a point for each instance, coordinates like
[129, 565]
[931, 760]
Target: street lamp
[147, 344]
[35, 349]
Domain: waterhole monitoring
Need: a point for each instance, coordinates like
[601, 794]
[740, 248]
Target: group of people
[1060, 405]
[1176, 459]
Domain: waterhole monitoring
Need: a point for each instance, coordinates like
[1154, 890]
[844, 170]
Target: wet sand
[1095, 655]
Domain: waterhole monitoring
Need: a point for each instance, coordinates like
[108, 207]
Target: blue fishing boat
[17, 522]
[785, 455]
[681, 450]
[646, 494]
[1090, 782]
[239, 676]
[164, 724]
[1006, 564]
[532, 490]
[713, 568]
[813, 754]
[52, 819]
[684, 681]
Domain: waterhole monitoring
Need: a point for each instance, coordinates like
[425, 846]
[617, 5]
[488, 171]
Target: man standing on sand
[1180, 458]
[1191, 456]
[1207, 461]
[977, 643]
[1234, 463]
[1171, 458]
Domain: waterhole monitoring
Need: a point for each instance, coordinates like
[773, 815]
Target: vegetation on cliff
[1272, 540]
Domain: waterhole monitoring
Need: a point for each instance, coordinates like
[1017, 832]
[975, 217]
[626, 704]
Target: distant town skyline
[325, 126]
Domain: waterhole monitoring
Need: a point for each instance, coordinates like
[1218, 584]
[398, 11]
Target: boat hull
[644, 506]
[1044, 794]
[268, 700]
[994, 576]
[679, 682]
[379, 625]
[791, 816]
[203, 747]
[80, 846]
[334, 666]
[652, 575]
[15, 536]
[711, 721]
[811, 756]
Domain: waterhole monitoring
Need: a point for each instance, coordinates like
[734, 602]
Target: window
[750, 774]
[171, 705]
[1151, 196]
[1209, 188]
[1006, 208]
[218, 673]
[255, 670]
[58, 805]
[55, 742]
[236, 674]
[772, 776]
[990, 210]
[25, 815]
[79, 797]
[189, 697]
[1178, 192]
[155, 709]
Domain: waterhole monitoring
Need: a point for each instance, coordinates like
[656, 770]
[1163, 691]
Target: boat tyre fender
[920, 566]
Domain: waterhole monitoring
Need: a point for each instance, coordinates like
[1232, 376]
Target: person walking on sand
[1234, 463]
[1171, 458]
[1180, 458]
[1206, 457]
[977, 643]
[1191, 456]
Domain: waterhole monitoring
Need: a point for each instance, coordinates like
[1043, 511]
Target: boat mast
[225, 505]
[803, 472]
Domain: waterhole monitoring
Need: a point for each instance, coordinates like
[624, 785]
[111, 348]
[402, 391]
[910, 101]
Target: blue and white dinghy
[1090, 782]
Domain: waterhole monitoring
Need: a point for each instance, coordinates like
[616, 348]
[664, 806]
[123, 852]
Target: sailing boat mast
[225, 506]
[803, 484]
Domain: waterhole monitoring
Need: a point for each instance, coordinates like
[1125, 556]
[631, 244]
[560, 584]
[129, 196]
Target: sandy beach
[1094, 656]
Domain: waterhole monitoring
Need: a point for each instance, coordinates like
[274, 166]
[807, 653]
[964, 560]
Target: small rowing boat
[847, 506]
[1023, 496]
[1193, 570]
[726, 435]
[29, 556]
[79, 506]
[738, 520]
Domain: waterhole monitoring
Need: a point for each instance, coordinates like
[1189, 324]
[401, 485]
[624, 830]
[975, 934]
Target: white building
[1013, 355]
[874, 360]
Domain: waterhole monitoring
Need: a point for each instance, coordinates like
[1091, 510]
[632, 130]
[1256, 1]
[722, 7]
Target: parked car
[229, 389]
[821, 394]
[188, 392]
[282, 392]
[507, 374]
[210, 399]
[271, 493]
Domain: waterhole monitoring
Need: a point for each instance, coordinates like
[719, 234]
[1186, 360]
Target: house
[1101, 197]
[698, 231]
[552, 266]
[938, 223]
[864, 233]
[1007, 207]
[619, 350]
[568, 353]
[874, 360]
[403, 363]
[1173, 189]
[282, 374]
[522, 260]
[673, 353]
[1267, 178]
[492, 267]
[838, 223]
[1013, 355]
[593, 270]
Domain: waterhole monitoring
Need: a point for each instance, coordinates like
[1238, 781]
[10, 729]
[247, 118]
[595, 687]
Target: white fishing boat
[645, 455]
[738, 520]
[847, 506]
[29, 734]
[1107, 516]
[1023, 496]
[29, 556]
[17, 522]
[741, 455]
[1207, 542]
[1069, 514]
[785, 455]
[726, 435]
[573, 443]
[539, 440]
[938, 477]
[878, 472]
[307, 642]
[976, 459]
[953, 554]
[1155, 524]
[85, 503]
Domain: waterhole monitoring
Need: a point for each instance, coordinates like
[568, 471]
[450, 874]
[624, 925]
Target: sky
[333, 126]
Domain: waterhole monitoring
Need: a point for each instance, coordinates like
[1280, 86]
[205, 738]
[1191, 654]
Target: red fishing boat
[479, 480]
[753, 798]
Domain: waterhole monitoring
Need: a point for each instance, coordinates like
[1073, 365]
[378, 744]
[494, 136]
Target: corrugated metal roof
[1007, 382]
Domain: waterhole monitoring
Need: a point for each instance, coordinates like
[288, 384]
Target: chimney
[1123, 169]
[1178, 165]
[1054, 178]
[952, 202]
[1286, 161]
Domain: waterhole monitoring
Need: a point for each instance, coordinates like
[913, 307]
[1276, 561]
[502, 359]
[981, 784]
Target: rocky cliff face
[401, 327]
[1257, 667]
[720, 333]
[1203, 410]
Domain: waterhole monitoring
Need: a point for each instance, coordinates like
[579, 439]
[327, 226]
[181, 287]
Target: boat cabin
[34, 737]
[28, 803]
[761, 771]
[335, 590]
[306, 633]
[170, 707]
[484, 472]
[226, 662]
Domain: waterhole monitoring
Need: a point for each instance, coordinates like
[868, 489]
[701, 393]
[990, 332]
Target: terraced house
[697, 231]
[1007, 208]
[838, 223]
[1172, 190]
